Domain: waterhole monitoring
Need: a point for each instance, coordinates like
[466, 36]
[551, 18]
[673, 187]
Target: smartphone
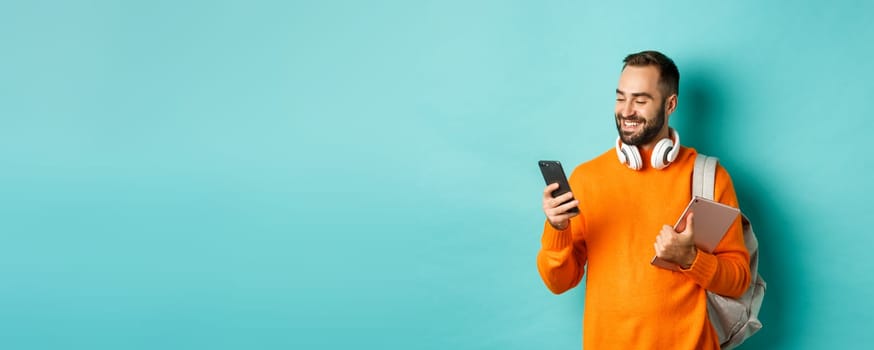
[554, 173]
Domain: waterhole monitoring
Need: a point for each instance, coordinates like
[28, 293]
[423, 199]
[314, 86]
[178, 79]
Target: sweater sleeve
[562, 256]
[726, 271]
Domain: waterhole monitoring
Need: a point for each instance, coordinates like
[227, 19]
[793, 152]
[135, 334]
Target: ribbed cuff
[556, 239]
[703, 268]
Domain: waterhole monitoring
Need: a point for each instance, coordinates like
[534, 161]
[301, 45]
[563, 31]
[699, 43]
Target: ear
[671, 104]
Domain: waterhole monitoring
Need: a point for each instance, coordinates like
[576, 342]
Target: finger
[562, 210]
[667, 239]
[664, 240]
[554, 213]
[547, 192]
[563, 217]
[666, 235]
[554, 202]
[550, 202]
[688, 228]
[567, 206]
[564, 197]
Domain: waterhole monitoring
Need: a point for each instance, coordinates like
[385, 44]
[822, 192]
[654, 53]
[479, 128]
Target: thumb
[689, 220]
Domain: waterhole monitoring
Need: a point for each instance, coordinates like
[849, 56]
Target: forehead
[635, 79]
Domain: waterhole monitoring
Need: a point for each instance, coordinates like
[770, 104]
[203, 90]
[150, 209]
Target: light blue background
[362, 174]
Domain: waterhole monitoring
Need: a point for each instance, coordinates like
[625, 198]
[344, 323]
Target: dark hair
[669, 75]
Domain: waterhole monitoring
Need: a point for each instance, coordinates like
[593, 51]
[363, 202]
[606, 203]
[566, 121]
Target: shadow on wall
[705, 110]
[698, 102]
[705, 107]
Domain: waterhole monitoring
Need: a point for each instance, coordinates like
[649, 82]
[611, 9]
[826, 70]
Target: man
[627, 198]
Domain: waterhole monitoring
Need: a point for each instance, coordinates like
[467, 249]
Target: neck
[664, 133]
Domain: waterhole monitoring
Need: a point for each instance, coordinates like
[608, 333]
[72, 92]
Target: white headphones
[664, 152]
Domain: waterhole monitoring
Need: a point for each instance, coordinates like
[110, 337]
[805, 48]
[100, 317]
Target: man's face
[640, 106]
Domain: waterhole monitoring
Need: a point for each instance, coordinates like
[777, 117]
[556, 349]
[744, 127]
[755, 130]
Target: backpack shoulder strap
[704, 176]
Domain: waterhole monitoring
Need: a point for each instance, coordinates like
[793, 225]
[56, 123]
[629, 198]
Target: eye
[620, 99]
[640, 102]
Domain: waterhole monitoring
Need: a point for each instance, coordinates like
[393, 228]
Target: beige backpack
[735, 320]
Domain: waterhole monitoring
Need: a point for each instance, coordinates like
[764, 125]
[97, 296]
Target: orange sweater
[631, 304]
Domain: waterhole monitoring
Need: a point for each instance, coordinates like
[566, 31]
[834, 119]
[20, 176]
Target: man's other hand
[677, 247]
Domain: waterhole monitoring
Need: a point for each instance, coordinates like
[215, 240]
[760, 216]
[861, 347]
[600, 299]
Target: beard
[649, 131]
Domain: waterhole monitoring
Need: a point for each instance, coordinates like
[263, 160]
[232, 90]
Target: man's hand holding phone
[557, 208]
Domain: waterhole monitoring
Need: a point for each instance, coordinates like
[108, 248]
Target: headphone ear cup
[661, 153]
[620, 153]
[675, 149]
[633, 155]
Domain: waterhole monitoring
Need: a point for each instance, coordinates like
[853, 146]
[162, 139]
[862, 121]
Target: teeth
[628, 123]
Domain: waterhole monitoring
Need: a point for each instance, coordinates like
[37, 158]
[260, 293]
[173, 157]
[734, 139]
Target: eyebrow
[636, 94]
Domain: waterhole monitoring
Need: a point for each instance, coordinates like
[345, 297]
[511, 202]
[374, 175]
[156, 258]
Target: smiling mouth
[628, 124]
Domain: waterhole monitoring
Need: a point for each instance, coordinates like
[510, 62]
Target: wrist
[690, 259]
[561, 227]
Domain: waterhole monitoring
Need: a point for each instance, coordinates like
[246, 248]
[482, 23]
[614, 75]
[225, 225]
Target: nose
[627, 109]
